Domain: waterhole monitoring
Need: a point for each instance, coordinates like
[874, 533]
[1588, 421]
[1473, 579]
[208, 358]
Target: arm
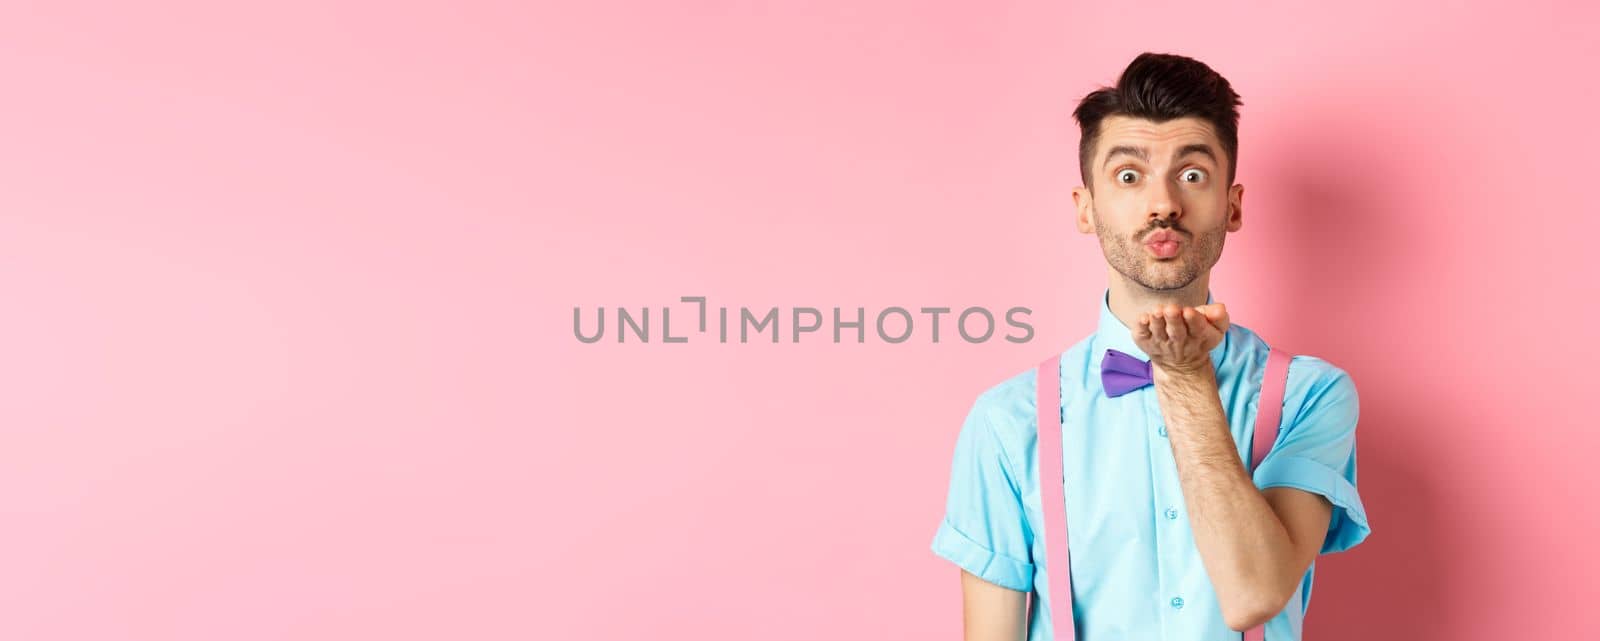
[985, 532]
[991, 612]
[1255, 544]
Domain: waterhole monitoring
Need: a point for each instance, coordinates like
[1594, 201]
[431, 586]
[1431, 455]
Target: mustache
[1169, 226]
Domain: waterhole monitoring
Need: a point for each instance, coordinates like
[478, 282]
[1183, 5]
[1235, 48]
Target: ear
[1235, 207]
[1083, 199]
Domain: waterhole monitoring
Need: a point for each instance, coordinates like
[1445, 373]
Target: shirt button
[1162, 431]
[1177, 603]
[1171, 514]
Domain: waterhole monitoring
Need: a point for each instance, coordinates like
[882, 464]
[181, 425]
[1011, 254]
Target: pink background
[289, 354]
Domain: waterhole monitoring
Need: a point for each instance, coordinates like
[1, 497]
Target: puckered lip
[1162, 235]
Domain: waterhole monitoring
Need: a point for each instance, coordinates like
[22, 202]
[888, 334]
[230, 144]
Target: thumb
[1217, 313]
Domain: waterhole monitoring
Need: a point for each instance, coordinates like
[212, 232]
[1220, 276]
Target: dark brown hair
[1161, 87]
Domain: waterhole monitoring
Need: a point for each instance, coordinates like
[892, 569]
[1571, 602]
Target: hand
[1180, 339]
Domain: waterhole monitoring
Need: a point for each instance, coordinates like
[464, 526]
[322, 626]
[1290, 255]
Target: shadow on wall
[1399, 583]
[1342, 258]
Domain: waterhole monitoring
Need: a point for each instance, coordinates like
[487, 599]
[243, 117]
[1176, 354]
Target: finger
[1142, 329]
[1177, 329]
[1199, 327]
[1158, 327]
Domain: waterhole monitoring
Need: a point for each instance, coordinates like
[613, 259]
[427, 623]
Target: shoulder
[1010, 407]
[1319, 388]
[1315, 376]
[1311, 378]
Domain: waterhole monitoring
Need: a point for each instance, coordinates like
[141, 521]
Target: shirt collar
[1112, 334]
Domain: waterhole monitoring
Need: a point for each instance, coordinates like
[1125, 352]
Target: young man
[1170, 537]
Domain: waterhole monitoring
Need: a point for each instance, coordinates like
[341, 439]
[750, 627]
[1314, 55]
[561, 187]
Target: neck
[1129, 299]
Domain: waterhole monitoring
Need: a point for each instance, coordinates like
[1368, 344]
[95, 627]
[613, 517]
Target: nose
[1163, 202]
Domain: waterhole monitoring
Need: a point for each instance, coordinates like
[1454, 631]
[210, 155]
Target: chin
[1168, 284]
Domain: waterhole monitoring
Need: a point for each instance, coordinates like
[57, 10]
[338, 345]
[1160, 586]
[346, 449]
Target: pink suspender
[1052, 491]
[1269, 413]
[1052, 494]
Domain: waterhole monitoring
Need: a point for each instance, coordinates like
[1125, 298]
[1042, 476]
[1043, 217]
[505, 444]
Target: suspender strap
[1052, 494]
[1052, 481]
[1269, 413]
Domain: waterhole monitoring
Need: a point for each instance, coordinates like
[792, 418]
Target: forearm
[1241, 541]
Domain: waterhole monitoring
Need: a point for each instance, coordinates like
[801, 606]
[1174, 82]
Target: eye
[1193, 175]
[1127, 176]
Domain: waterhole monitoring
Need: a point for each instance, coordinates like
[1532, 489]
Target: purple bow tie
[1121, 373]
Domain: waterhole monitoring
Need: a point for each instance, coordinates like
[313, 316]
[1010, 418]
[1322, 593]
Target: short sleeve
[984, 529]
[1316, 450]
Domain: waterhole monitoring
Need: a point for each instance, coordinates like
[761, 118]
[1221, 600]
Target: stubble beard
[1127, 255]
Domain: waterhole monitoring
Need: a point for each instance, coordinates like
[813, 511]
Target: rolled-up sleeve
[984, 529]
[1316, 449]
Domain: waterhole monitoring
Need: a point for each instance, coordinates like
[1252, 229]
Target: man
[1170, 537]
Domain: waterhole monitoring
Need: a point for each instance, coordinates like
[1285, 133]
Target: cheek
[1207, 203]
[1119, 210]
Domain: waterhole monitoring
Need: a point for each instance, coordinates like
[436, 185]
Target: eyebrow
[1143, 154]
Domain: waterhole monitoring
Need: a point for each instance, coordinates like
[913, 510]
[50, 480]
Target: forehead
[1159, 138]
